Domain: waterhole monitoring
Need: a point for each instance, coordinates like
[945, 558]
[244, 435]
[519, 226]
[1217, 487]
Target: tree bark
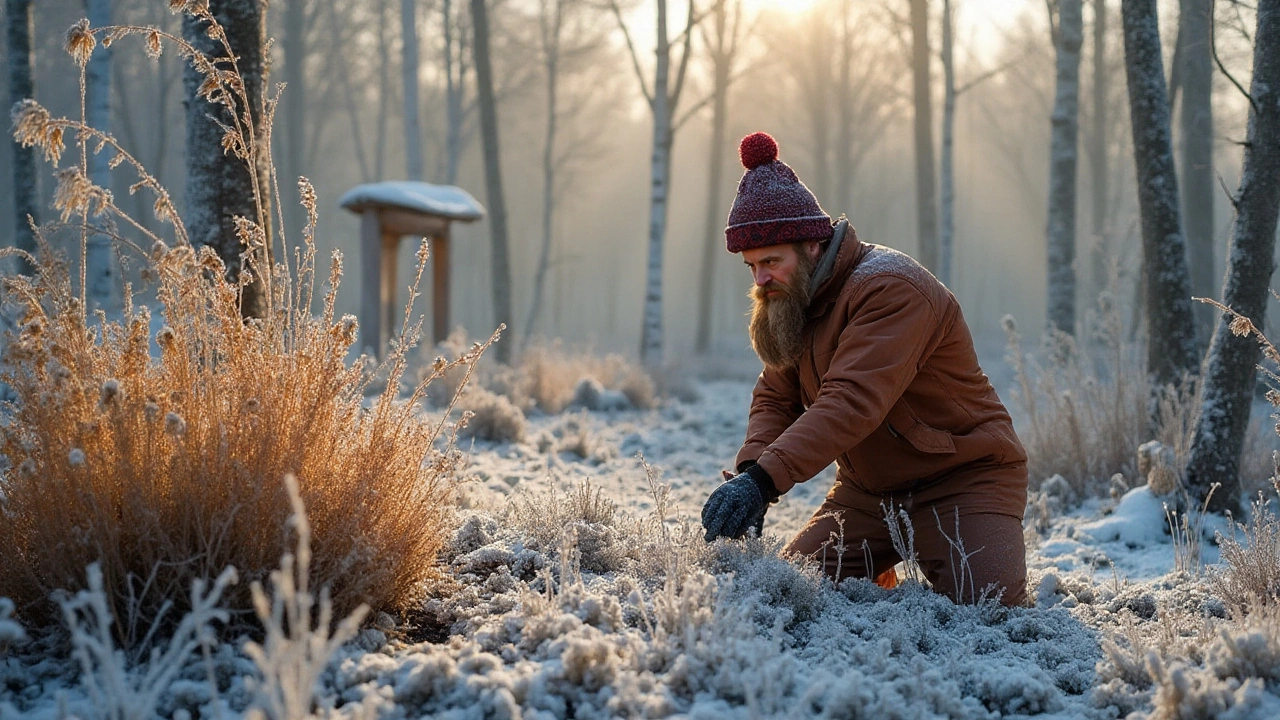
[1099, 269]
[844, 129]
[100, 272]
[1231, 371]
[1171, 350]
[384, 92]
[926, 194]
[493, 176]
[19, 21]
[1061, 225]
[551, 23]
[651, 333]
[413, 157]
[220, 187]
[295, 108]
[1197, 156]
[722, 57]
[946, 236]
[455, 72]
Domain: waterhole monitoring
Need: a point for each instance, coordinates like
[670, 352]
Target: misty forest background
[832, 82]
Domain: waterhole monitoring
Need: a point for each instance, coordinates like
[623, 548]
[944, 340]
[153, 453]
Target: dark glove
[739, 504]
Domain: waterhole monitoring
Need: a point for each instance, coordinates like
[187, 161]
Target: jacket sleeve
[879, 352]
[775, 404]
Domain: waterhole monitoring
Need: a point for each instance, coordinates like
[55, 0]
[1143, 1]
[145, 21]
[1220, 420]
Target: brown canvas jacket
[888, 387]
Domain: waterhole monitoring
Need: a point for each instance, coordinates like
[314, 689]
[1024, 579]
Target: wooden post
[387, 286]
[370, 286]
[440, 285]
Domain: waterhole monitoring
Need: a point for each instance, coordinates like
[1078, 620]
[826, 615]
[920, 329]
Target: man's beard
[777, 323]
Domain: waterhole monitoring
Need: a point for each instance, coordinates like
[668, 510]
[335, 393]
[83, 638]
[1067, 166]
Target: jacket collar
[837, 262]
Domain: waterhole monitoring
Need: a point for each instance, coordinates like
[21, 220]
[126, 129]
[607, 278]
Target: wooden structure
[388, 212]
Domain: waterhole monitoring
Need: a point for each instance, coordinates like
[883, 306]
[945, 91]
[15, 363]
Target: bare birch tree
[100, 273]
[1196, 121]
[723, 43]
[19, 26]
[926, 183]
[221, 188]
[1068, 35]
[497, 206]
[1231, 373]
[413, 157]
[295, 105]
[1171, 349]
[663, 100]
[457, 68]
[1097, 149]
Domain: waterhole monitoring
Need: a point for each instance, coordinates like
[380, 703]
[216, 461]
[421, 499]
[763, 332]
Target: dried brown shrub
[167, 468]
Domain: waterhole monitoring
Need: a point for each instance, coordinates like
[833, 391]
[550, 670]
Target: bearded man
[868, 363]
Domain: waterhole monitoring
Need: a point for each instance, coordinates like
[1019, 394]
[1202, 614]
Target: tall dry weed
[166, 469]
[1085, 407]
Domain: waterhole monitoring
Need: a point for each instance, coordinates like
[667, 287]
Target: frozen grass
[166, 470]
[1084, 410]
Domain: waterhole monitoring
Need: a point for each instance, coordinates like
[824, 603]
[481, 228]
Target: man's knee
[980, 556]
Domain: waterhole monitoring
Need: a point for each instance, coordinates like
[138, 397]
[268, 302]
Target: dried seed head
[153, 46]
[34, 327]
[80, 42]
[76, 457]
[252, 406]
[174, 424]
[1009, 324]
[27, 468]
[109, 393]
[32, 125]
[344, 331]
[439, 365]
[1273, 397]
[77, 194]
[151, 411]
[1240, 326]
[166, 338]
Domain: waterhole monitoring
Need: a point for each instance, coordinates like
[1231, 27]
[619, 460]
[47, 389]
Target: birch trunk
[384, 92]
[455, 71]
[550, 24]
[221, 187]
[295, 108]
[1098, 151]
[722, 55]
[19, 22]
[413, 157]
[1061, 224]
[946, 235]
[100, 273]
[493, 176]
[1231, 372]
[1197, 156]
[844, 132]
[1171, 350]
[651, 332]
[926, 195]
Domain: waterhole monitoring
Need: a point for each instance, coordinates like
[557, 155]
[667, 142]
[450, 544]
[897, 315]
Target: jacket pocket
[901, 422]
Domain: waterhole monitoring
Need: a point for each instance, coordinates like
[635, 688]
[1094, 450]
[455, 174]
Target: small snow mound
[590, 394]
[1138, 520]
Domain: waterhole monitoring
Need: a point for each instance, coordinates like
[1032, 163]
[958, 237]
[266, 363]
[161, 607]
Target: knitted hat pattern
[772, 205]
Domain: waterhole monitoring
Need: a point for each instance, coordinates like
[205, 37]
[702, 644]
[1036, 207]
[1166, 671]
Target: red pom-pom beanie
[772, 206]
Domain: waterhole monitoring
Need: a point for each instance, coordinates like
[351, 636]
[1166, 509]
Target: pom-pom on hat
[772, 206]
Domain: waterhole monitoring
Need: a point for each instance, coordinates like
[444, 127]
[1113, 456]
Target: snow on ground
[562, 603]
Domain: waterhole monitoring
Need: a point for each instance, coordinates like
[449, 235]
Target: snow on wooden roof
[447, 201]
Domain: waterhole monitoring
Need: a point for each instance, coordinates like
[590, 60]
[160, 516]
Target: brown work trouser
[963, 553]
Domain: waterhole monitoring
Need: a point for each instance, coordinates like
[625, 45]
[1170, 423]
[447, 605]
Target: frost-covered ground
[568, 601]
